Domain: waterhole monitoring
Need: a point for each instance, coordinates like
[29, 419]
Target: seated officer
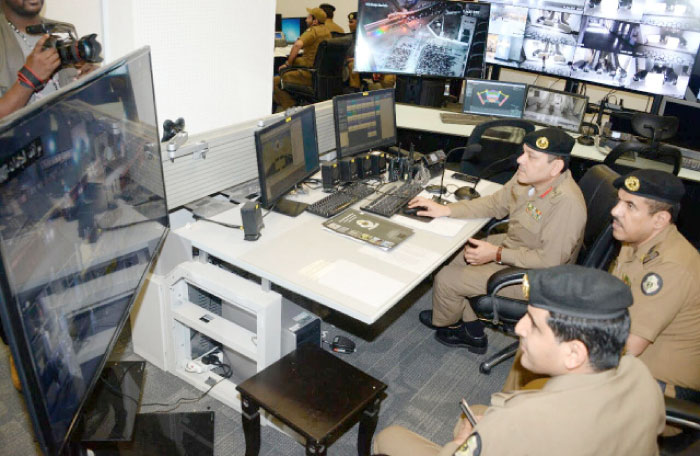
[330, 25]
[596, 402]
[308, 42]
[547, 218]
[663, 271]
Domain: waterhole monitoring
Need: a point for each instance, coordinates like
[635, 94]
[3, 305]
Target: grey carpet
[425, 382]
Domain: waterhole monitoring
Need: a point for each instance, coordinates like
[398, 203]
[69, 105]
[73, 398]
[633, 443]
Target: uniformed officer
[330, 25]
[597, 402]
[663, 271]
[547, 219]
[308, 42]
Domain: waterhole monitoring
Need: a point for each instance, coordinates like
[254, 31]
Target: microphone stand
[476, 148]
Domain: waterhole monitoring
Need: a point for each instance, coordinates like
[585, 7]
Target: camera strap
[28, 79]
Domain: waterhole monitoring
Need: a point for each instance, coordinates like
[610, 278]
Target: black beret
[578, 291]
[550, 140]
[352, 16]
[652, 183]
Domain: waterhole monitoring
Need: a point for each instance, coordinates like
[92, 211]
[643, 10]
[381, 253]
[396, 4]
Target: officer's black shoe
[459, 337]
[426, 317]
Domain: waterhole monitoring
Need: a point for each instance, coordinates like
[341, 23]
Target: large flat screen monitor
[293, 27]
[643, 45]
[287, 154]
[82, 216]
[424, 38]
[688, 113]
[555, 108]
[494, 98]
[364, 120]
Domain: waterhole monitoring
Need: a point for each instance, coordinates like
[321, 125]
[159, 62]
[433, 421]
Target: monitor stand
[289, 207]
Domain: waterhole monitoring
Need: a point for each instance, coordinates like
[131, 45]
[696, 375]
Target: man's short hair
[660, 206]
[604, 338]
[328, 9]
[551, 158]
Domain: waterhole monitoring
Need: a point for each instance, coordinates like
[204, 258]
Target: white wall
[297, 8]
[212, 61]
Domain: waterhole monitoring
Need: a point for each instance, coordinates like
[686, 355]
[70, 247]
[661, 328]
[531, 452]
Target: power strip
[196, 367]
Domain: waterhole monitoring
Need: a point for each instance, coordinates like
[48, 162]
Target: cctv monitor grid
[642, 45]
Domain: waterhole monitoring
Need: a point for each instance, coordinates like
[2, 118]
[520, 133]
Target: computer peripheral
[494, 98]
[330, 176]
[349, 169]
[339, 201]
[411, 210]
[585, 140]
[342, 344]
[464, 119]
[465, 177]
[466, 193]
[437, 189]
[252, 218]
[393, 198]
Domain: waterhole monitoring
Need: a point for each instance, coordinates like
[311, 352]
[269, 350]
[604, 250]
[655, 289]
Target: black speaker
[378, 163]
[330, 176]
[364, 166]
[348, 169]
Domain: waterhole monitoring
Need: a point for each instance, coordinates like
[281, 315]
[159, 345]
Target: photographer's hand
[43, 62]
[85, 68]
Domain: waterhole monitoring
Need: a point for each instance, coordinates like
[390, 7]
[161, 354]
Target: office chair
[490, 145]
[685, 415]
[598, 248]
[326, 74]
[654, 128]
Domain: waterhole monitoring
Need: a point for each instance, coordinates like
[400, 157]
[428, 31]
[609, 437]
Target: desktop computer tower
[299, 327]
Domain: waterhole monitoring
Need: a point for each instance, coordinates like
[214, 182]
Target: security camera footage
[425, 38]
[494, 98]
[554, 108]
[644, 45]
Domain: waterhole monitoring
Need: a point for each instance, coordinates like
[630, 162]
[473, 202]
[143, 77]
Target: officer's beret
[318, 14]
[577, 291]
[327, 6]
[550, 140]
[352, 16]
[652, 183]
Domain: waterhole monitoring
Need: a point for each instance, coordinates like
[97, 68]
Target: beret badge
[542, 142]
[632, 184]
[526, 287]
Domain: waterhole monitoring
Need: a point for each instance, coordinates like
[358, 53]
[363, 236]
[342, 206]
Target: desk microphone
[467, 192]
[471, 150]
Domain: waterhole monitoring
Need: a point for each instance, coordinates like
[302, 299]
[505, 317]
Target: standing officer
[547, 219]
[308, 42]
[330, 25]
[596, 402]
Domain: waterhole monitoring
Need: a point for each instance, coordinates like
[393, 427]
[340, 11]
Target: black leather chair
[493, 147]
[685, 415]
[326, 74]
[598, 249]
[654, 128]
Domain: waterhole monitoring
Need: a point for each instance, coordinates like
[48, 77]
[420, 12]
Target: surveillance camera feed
[424, 38]
[494, 98]
[82, 215]
[554, 108]
[644, 45]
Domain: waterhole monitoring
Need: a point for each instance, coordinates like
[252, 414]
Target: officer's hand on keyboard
[429, 208]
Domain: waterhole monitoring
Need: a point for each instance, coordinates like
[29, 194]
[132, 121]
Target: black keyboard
[340, 200]
[393, 198]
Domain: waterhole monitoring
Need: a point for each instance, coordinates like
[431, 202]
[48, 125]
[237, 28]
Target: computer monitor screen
[82, 215]
[425, 38]
[364, 120]
[278, 22]
[494, 98]
[293, 27]
[555, 108]
[688, 113]
[287, 154]
[642, 45]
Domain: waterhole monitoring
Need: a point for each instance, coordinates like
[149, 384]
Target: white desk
[349, 276]
[428, 119]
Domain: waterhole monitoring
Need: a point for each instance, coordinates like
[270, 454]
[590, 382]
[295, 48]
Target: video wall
[644, 45]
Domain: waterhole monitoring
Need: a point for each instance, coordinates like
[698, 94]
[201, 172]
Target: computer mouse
[342, 344]
[466, 193]
[411, 210]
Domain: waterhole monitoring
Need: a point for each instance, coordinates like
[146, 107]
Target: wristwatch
[498, 255]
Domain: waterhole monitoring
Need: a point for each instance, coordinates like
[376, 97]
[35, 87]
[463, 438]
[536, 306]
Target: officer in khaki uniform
[597, 402]
[330, 24]
[308, 42]
[663, 271]
[547, 219]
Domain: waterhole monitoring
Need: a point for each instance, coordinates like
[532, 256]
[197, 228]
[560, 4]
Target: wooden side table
[316, 394]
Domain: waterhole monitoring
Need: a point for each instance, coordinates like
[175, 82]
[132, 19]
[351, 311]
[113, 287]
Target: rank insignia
[533, 212]
[542, 142]
[471, 446]
[632, 184]
[526, 287]
[650, 256]
[626, 279]
[651, 284]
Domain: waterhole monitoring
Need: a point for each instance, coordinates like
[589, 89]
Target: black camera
[64, 38]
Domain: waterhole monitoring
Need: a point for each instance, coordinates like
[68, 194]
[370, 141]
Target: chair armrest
[492, 226]
[683, 413]
[291, 68]
[503, 278]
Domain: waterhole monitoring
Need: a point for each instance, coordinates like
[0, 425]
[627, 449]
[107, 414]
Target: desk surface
[428, 119]
[350, 276]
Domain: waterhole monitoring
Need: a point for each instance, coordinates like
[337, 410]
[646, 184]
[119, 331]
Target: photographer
[25, 54]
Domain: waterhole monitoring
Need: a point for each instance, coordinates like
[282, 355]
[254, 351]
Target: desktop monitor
[494, 98]
[554, 108]
[287, 154]
[278, 22]
[82, 216]
[425, 38]
[364, 120]
[293, 27]
[688, 113]
[642, 45]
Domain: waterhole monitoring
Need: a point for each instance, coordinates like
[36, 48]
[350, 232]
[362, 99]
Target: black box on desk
[330, 176]
[378, 163]
[364, 166]
[348, 169]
